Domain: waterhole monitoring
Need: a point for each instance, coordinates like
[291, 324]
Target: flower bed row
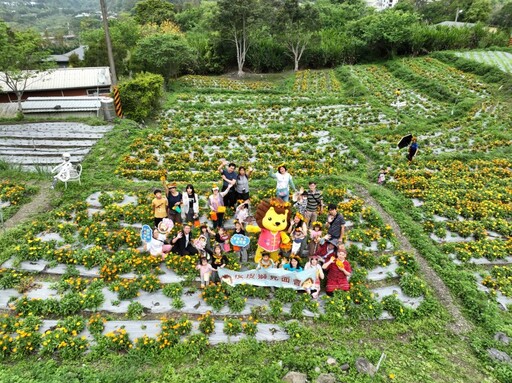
[474, 198]
[321, 82]
[209, 82]
[383, 85]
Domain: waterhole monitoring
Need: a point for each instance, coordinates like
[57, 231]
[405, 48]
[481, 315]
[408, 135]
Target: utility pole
[113, 76]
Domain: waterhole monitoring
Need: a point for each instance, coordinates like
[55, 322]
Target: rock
[326, 378]
[295, 377]
[364, 366]
[345, 367]
[502, 337]
[498, 355]
[331, 361]
[317, 369]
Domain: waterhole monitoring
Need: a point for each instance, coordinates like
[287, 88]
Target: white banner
[269, 277]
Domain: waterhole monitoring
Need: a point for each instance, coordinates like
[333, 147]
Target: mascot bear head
[273, 215]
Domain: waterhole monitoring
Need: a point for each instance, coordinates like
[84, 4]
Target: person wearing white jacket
[190, 204]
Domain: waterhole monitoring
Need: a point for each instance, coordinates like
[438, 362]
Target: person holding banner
[314, 290]
[265, 262]
[293, 265]
[338, 271]
[219, 262]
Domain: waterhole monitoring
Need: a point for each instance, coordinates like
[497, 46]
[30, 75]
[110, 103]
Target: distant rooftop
[67, 78]
[64, 58]
[456, 24]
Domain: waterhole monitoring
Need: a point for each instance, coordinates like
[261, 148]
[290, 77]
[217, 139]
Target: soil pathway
[39, 203]
[460, 325]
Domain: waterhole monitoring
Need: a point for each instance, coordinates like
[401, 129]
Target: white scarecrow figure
[62, 170]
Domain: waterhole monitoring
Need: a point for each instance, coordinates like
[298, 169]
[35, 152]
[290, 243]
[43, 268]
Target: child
[207, 233]
[242, 213]
[300, 201]
[222, 238]
[314, 290]
[294, 265]
[219, 261]
[159, 206]
[156, 246]
[382, 177]
[240, 251]
[298, 237]
[200, 245]
[315, 234]
[265, 262]
[205, 271]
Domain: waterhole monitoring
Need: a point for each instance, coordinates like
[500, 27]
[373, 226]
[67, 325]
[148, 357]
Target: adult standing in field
[413, 148]
[335, 223]
[228, 174]
[190, 204]
[284, 182]
[174, 200]
[216, 205]
[315, 203]
[242, 184]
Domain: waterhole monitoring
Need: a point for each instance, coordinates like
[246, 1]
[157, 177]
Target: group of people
[313, 244]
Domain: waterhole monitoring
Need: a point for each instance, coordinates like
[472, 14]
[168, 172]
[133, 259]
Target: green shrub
[140, 97]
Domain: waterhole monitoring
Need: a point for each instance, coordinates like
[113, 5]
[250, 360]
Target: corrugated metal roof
[62, 104]
[67, 78]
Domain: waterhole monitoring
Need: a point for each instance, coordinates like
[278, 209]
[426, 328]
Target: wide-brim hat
[165, 226]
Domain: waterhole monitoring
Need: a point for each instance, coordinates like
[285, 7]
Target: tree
[164, 54]
[124, 32]
[386, 31]
[298, 24]
[234, 19]
[153, 11]
[503, 18]
[22, 58]
[480, 10]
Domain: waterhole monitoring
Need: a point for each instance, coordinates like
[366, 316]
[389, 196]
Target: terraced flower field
[76, 284]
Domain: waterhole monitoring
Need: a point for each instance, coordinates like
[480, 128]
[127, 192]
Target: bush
[141, 96]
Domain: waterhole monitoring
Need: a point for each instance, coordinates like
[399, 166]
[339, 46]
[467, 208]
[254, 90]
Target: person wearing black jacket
[182, 243]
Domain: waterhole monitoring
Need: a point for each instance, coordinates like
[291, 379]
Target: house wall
[11, 97]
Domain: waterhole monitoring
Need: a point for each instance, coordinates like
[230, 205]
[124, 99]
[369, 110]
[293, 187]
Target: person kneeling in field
[157, 247]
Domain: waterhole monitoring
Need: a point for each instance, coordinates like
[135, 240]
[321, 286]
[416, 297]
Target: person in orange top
[159, 206]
